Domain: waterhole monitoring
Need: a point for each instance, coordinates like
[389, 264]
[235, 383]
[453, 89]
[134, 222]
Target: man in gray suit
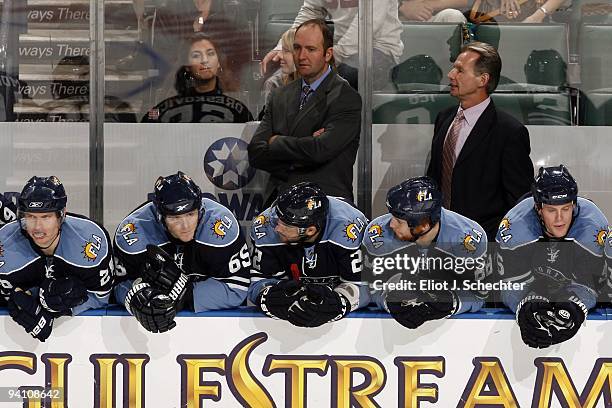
[310, 129]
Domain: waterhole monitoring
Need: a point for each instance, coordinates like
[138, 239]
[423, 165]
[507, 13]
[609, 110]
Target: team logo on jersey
[504, 230]
[471, 239]
[353, 229]
[91, 249]
[423, 195]
[552, 254]
[226, 164]
[600, 237]
[310, 257]
[221, 226]
[259, 225]
[128, 232]
[375, 234]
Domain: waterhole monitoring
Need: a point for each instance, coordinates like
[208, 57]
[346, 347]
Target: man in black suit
[479, 155]
[310, 129]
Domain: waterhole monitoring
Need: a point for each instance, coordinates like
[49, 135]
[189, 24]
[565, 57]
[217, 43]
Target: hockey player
[8, 210]
[52, 263]
[208, 261]
[441, 256]
[306, 258]
[552, 245]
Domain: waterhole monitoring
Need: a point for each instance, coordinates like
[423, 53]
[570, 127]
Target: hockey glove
[61, 295]
[163, 273]
[533, 316]
[318, 305]
[412, 311]
[275, 300]
[29, 314]
[152, 308]
[568, 317]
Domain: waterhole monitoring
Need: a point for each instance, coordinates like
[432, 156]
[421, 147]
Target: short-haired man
[176, 245]
[552, 246]
[310, 129]
[443, 252]
[306, 258]
[479, 154]
[52, 263]
[387, 44]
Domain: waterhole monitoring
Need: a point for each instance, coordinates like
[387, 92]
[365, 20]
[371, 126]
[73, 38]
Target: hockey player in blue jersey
[8, 210]
[552, 244]
[179, 249]
[306, 258]
[441, 256]
[52, 263]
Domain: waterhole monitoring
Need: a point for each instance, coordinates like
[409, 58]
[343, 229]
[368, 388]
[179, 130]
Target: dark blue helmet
[303, 205]
[554, 185]
[176, 194]
[415, 200]
[42, 194]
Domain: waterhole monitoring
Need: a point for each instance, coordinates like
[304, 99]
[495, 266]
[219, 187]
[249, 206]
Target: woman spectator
[200, 86]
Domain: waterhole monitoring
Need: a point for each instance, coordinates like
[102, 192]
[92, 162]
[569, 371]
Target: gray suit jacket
[296, 155]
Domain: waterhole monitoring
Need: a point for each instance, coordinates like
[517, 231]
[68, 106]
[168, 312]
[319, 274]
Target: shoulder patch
[219, 226]
[345, 226]
[138, 230]
[460, 236]
[262, 231]
[82, 243]
[520, 226]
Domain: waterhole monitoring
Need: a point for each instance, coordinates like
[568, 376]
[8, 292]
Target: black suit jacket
[493, 169]
[295, 155]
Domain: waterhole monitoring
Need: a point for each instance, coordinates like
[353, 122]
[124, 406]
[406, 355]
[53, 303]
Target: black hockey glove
[412, 309]
[29, 314]
[533, 315]
[152, 308]
[318, 305]
[61, 295]
[164, 274]
[275, 300]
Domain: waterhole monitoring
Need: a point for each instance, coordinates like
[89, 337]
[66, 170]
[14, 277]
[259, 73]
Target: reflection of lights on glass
[540, 163]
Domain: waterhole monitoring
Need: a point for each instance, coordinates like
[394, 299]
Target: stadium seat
[517, 41]
[596, 108]
[436, 40]
[596, 56]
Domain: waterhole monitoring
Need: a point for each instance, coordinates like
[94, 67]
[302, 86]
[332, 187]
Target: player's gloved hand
[275, 300]
[163, 273]
[318, 305]
[568, 317]
[412, 309]
[29, 314]
[533, 316]
[62, 294]
[152, 308]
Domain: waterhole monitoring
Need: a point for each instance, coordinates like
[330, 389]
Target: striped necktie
[449, 158]
[306, 92]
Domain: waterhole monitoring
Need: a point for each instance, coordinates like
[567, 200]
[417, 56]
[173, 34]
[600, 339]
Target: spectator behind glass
[286, 73]
[200, 86]
[525, 11]
[435, 11]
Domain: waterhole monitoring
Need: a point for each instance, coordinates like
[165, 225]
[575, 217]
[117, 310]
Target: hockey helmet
[545, 67]
[554, 185]
[42, 194]
[416, 200]
[176, 194]
[303, 205]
